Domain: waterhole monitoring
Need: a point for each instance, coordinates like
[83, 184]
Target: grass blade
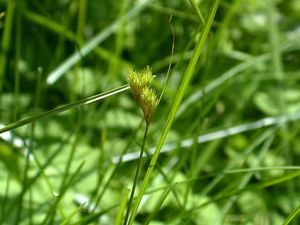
[122, 208]
[292, 215]
[60, 109]
[197, 10]
[6, 38]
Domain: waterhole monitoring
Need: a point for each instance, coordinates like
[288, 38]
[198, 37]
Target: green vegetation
[85, 139]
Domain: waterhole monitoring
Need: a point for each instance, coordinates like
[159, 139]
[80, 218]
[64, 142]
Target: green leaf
[269, 102]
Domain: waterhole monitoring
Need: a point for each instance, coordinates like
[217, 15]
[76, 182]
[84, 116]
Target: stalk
[136, 176]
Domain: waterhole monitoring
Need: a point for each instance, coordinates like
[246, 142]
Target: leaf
[269, 102]
[119, 118]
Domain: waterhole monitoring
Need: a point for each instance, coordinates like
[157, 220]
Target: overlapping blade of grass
[278, 70]
[92, 44]
[197, 10]
[51, 25]
[278, 180]
[219, 134]
[18, 52]
[221, 80]
[51, 213]
[122, 208]
[232, 192]
[236, 191]
[69, 35]
[94, 217]
[67, 220]
[245, 179]
[252, 62]
[262, 138]
[60, 109]
[30, 182]
[25, 179]
[179, 96]
[6, 39]
[105, 183]
[158, 205]
[114, 62]
[175, 13]
[81, 17]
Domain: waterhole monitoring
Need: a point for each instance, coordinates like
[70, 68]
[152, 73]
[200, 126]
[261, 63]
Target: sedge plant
[140, 85]
[178, 98]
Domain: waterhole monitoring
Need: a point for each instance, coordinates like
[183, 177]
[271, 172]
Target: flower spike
[140, 85]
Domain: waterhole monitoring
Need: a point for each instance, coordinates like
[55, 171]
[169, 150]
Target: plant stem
[6, 40]
[136, 176]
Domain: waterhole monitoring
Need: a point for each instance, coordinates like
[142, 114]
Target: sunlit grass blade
[292, 216]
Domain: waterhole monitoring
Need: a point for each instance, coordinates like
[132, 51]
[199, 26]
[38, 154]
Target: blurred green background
[232, 154]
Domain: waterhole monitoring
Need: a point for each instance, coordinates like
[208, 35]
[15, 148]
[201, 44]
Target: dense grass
[222, 146]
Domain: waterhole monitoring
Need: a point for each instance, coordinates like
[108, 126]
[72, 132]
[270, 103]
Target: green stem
[136, 176]
[6, 40]
[197, 10]
[122, 207]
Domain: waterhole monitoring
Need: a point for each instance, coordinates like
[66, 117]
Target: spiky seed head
[149, 103]
[139, 83]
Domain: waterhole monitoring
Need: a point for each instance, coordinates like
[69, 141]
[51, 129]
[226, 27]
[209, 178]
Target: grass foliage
[221, 147]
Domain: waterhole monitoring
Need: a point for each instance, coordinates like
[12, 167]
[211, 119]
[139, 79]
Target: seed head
[140, 83]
